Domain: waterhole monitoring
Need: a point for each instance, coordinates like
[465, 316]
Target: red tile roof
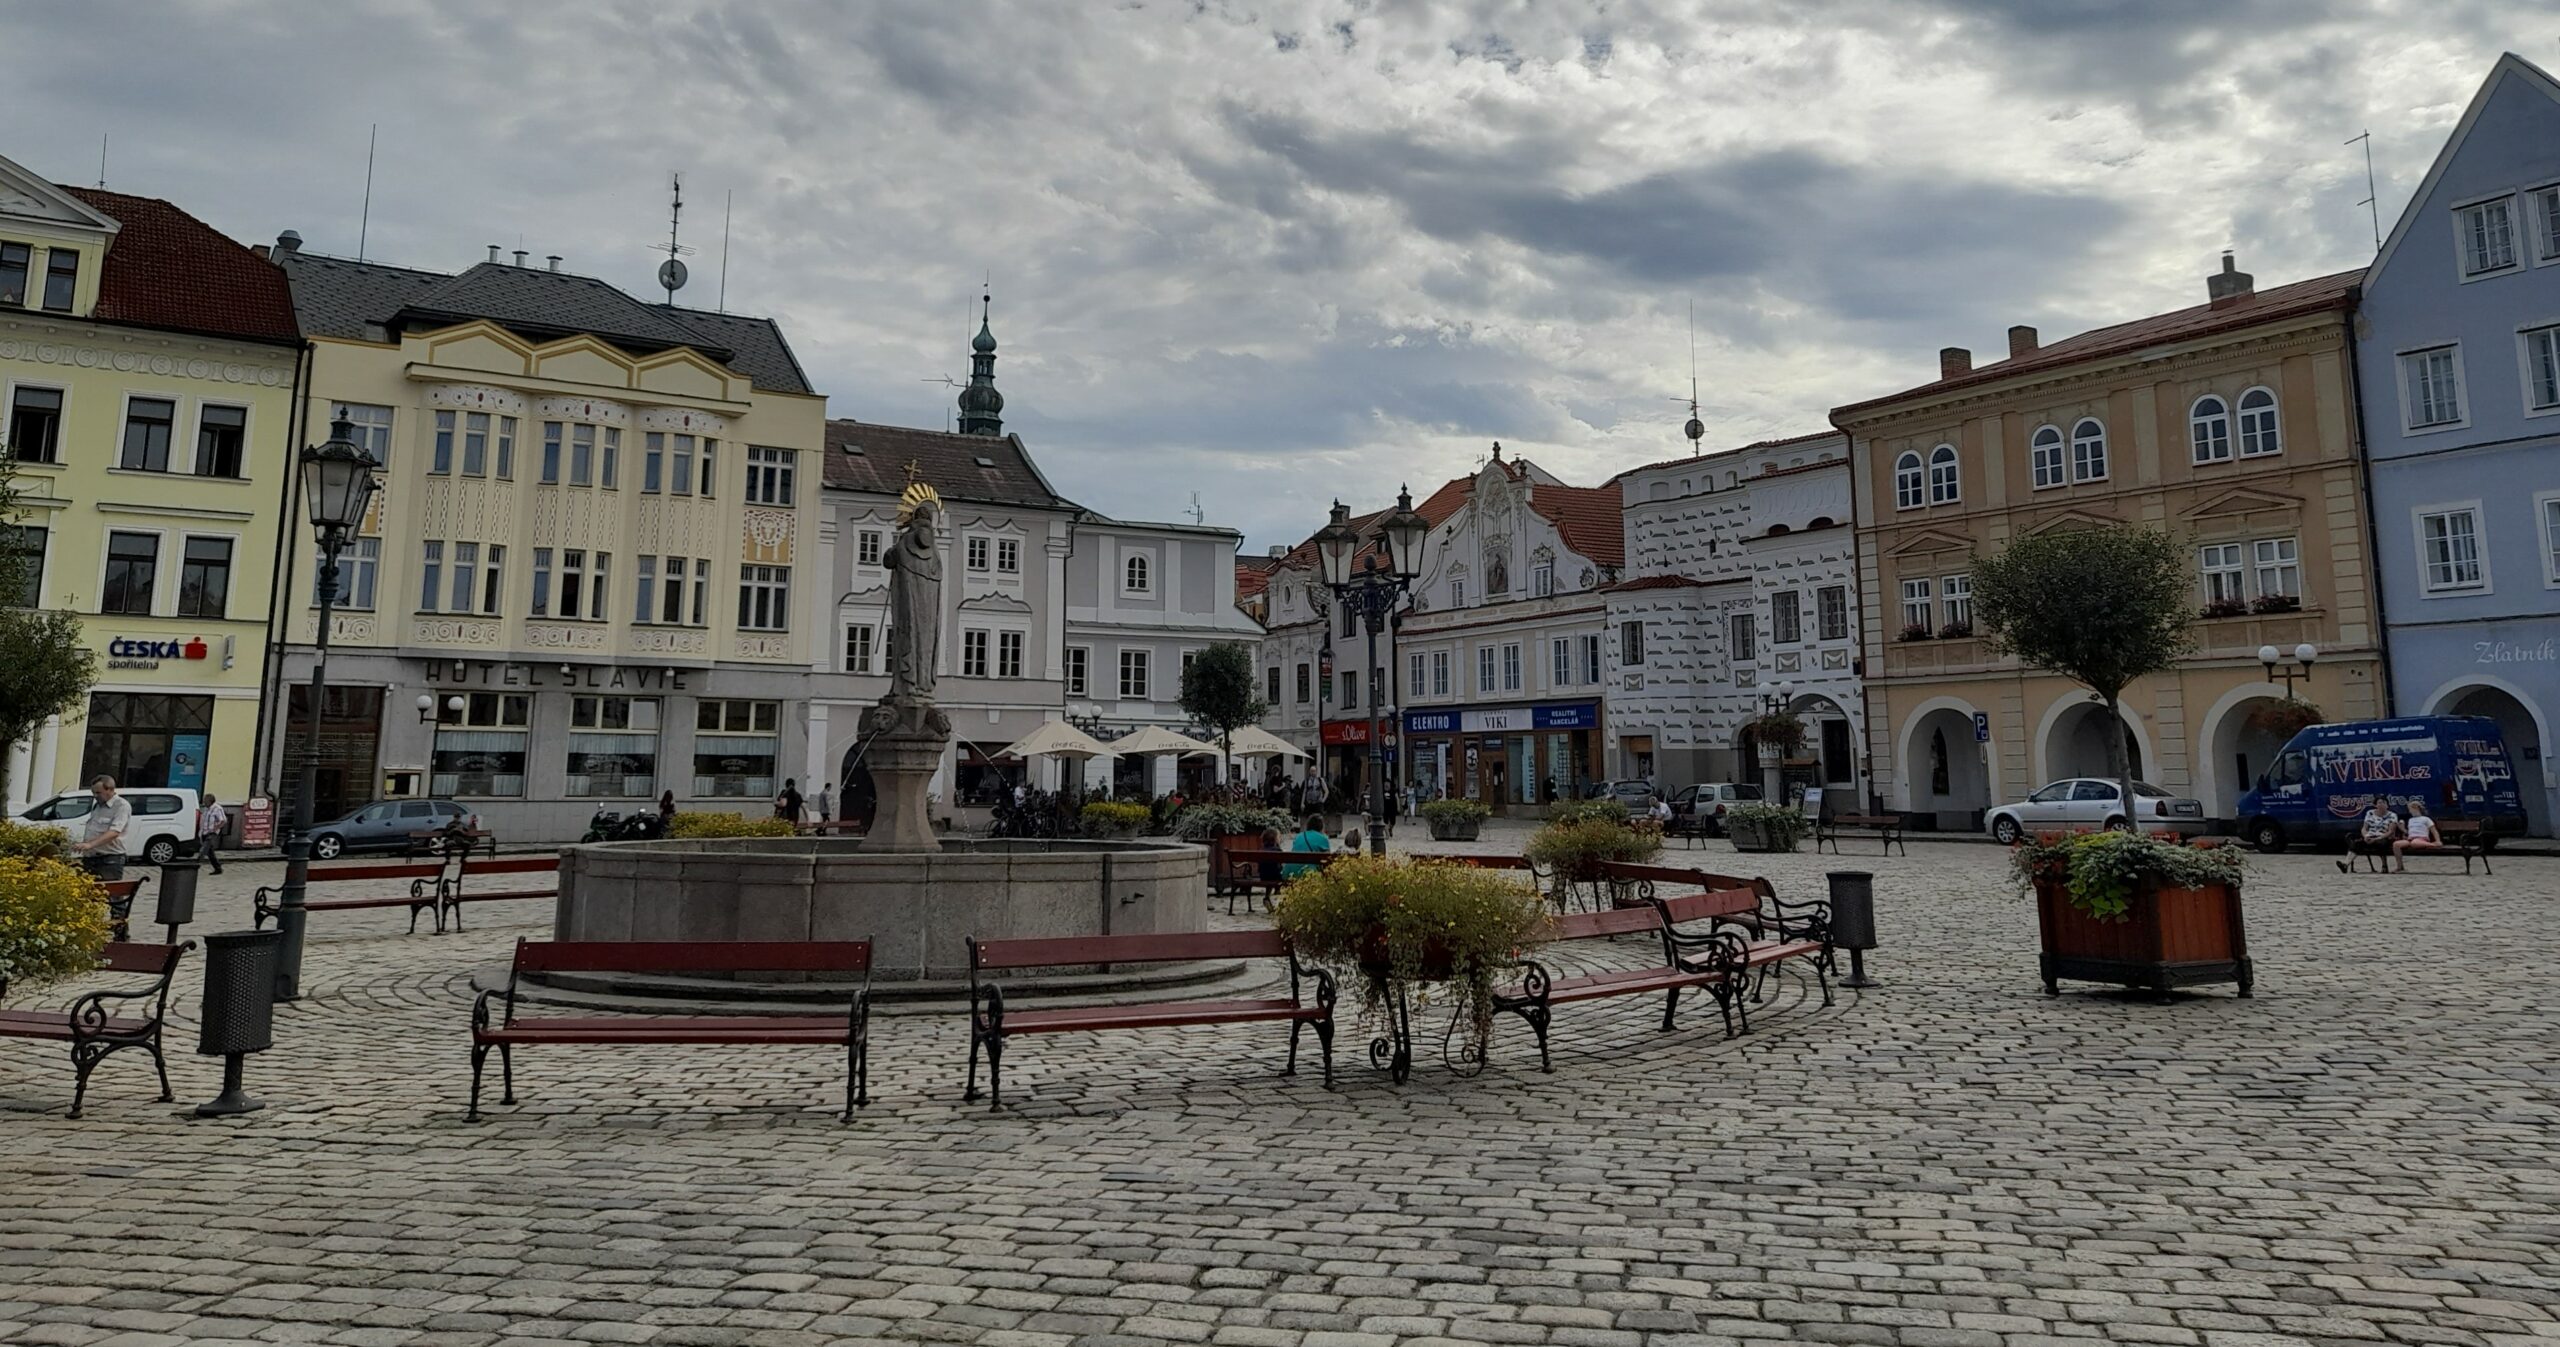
[2336, 291]
[169, 270]
[1253, 577]
[1657, 582]
[1588, 517]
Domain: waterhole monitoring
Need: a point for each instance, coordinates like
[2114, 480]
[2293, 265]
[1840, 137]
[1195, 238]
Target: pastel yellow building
[595, 556]
[149, 366]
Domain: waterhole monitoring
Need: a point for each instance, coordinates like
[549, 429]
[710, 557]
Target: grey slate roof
[368, 301]
[947, 461]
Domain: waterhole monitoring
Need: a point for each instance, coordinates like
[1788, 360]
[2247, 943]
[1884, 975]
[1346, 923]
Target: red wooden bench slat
[57, 1024]
[373, 870]
[503, 896]
[693, 956]
[510, 865]
[1155, 1016]
[1723, 903]
[1593, 986]
[1772, 951]
[640, 1023]
[1615, 921]
[1091, 949]
[139, 956]
[1673, 874]
[536, 1031]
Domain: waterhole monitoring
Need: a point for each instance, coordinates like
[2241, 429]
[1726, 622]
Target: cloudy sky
[1274, 251]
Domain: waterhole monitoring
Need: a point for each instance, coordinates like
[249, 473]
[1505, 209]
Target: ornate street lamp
[337, 484]
[1370, 581]
[2303, 654]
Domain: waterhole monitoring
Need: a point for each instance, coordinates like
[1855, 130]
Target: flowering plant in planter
[1113, 818]
[1914, 631]
[1403, 923]
[2276, 603]
[1583, 811]
[1955, 631]
[1781, 730]
[2285, 719]
[2100, 872]
[1572, 851]
[53, 919]
[1764, 827]
[1200, 822]
[1455, 820]
[2231, 606]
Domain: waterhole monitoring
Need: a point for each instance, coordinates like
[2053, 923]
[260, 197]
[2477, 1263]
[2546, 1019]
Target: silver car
[2080, 803]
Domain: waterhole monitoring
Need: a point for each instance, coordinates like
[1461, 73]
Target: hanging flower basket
[1779, 730]
[2284, 719]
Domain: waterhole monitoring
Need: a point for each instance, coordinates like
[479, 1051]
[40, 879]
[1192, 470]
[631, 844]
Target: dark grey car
[385, 825]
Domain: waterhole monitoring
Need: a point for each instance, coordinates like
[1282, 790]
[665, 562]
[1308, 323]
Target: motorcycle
[612, 825]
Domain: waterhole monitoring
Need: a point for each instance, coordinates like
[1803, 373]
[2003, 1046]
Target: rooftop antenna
[365, 220]
[1696, 429]
[671, 273]
[102, 161]
[2372, 198]
[725, 205]
[1198, 515]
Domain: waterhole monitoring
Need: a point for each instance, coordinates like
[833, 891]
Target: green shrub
[1784, 826]
[1386, 922]
[30, 842]
[728, 825]
[1461, 811]
[1114, 818]
[1200, 822]
[1584, 811]
[2101, 871]
[53, 920]
[1573, 849]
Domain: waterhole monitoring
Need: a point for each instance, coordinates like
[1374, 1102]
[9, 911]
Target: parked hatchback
[1707, 801]
[386, 825]
[1637, 796]
[2083, 802]
[164, 819]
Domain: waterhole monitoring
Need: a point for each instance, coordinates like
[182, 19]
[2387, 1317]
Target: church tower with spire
[981, 406]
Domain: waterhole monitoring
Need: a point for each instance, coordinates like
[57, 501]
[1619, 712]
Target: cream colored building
[149, 366]
[595, 553]
[2231, 424]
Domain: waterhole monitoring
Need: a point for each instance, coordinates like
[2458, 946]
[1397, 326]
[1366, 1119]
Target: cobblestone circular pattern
[2364, 1153]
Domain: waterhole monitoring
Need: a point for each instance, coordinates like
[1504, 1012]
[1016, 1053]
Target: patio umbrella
[1057, 739]
[1253, 741]
[1155, 739]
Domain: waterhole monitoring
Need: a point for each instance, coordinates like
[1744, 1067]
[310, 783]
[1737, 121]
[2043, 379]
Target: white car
[2082, 802]
[164, 820]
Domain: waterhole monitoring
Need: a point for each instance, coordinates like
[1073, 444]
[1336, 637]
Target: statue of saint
[915, 595]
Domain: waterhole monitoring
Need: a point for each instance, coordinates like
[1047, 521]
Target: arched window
[2045, 454]
[1907, 478]
[2209, 429]
[1659, 491]
[1134, 575]
[2089, 451]
[1943, 487]
[2258, 434]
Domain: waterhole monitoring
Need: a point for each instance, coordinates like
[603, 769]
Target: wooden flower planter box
[1753, 835]
[2169, 938]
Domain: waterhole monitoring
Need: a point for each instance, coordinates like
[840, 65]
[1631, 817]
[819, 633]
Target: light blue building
[2458, 365]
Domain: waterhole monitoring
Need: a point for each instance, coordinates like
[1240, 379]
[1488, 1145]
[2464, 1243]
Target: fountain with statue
[917, 896]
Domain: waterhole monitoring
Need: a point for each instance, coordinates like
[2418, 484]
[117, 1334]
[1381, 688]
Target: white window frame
[2208, 432]
[2217, 563]
[1146, 674]
[1137, 576]
[870, 642]
[160, 587]
[1417, 674]
[1591, 658]
[230, 568]
[1511, 670]
[1439, 673]
[772, 583]
[2461, 390]
[2516, 243]
[772, 476]
[1484, 668]
[1008, 556]
[866, 548]
[2048, 458]
[2270, 443]
[2542, 206]
[1560, 664]
[977, 652]
[1825, 629]
[2279, 555]
[980, 552]
[2418, 516]
[1079, 670]
[1955, 601]
[1012, 650]
[2079, 462]
[2525, 334]
[1786, 620]
[1945, 455]
[2546, 514]
[1910, 480]
[1920, 602]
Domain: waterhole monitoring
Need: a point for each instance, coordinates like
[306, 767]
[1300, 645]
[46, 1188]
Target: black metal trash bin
[1853, 921]
[239, 1009]
[177, 895]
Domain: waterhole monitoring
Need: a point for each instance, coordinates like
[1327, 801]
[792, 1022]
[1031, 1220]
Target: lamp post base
[233, 1100]
[1858, 979]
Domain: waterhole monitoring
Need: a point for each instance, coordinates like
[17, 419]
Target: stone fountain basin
[918, 909]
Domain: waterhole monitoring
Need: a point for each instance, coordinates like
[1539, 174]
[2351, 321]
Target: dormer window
[61, 279]
[14, 258]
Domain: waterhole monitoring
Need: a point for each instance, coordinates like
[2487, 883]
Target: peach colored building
[2231, 424]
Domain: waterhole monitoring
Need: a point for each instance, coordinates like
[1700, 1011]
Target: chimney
[290, 241]
[1279, 550]
[521, 254]
[493, 252]
[259, 251]
[2230, 285]
[554, 260]
[2022, 340]
[1954, 360]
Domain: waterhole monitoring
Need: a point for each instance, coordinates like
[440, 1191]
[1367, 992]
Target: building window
[430, 576]
[613, 747]
[1133, 675]
[2431, 387]
[1080, 673]
[2220, 563]
[1831, 611]
[1742, 638]
[61, 279]
[1908, 479]
[466, 574]
[475, 442]
[1134, 577]
[597, 583]
[582, 455]
[1944, 489]
[1439, 673]
[1417, 680]
[1271, 684]
[35, 425]
[978, 553]
[14, 260]
[1591, 657]
[2487, 232]
[2044, 456]
[866, 548]
[1631, 643]
[204, 578]
[359, 565]
[1008, 556]
[1306, 686]
[770, 474]
[973, 654]
[764, 597]
[1786, 620]
[493, 585]
[222, 436]
[552, 431]
[2279, 567]
[671, 592]
[507, 448]
[2546, 233]
[2208, 431]
[680, 467]
[2449, 550]
[441, 462]
[1350, 618]
[2541, 371]
[541, 583]
[2089, 451]
[736, 745]
[480, 750]
[370, 427]
[610, 476]
[645, 609]
[148, 423]
[2259, 435]
[2548, 503]
[1916, 603]
[573, 568]
[1561, 669]
[133, 567]
[26, 547]
[1457, 591]
[709, 477]
[1350, 689]
[1955, 595]
[1542, 577]
[653, 462]
[1511, 667]
[857, 650]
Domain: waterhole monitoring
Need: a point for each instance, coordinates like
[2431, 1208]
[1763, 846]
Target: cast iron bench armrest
[1816, 925]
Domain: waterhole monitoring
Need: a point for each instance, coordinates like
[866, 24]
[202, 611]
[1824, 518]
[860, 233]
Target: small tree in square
[1218, 691]
[46, 665]
[2102, 607]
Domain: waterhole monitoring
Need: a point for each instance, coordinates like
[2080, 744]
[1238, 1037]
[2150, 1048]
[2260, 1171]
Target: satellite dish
[671, 274]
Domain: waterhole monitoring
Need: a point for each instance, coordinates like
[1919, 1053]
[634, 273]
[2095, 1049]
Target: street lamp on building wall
[337, 483]
[1369, 585]
[2303, 654]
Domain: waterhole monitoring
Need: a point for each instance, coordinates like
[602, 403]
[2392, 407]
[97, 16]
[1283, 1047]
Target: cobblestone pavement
[2363, 1153]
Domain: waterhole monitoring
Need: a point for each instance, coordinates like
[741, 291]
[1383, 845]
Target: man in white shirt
[101, 845]
[211, 820]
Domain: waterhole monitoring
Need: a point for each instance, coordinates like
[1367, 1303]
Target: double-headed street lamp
[2303, 654]
[1370, 584]
[337, 483]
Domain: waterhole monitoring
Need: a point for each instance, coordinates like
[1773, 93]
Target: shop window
[480, 750]
[613, 747]
[147, 739]
[736, 745]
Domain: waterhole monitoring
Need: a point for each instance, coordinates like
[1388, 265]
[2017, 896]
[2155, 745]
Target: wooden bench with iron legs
[454, 888]
[452, 842]
[96, 1033]
[425, 890]
[1252, 872]
[992, 1021]
[1633, 884]
[2462, 837]
[1721, 975]
[120, 896]
[505, 1030]
[1886, 827]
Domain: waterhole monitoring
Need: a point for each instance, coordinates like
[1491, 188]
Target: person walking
[787, 804]
[667, 807]
[101, 846]
[211, 820]
[826, 803]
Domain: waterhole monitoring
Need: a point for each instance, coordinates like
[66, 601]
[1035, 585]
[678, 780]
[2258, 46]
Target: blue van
[2325, 779]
